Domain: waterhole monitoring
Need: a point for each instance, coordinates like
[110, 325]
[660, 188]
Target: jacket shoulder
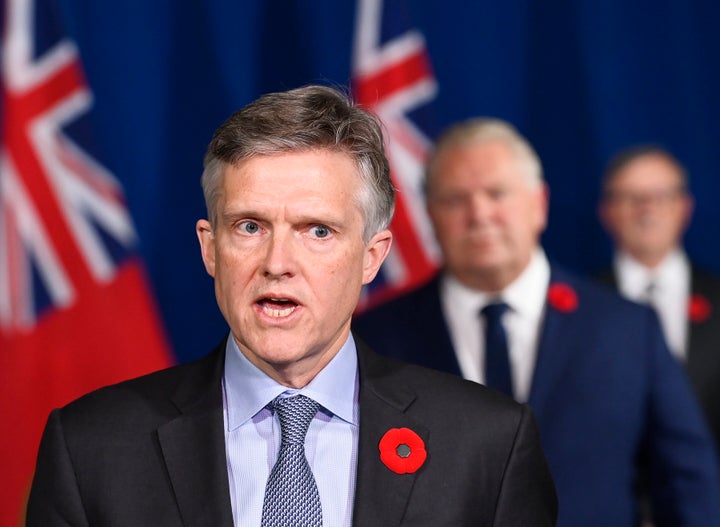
[149, 398]
[405, 306]
[431, 390]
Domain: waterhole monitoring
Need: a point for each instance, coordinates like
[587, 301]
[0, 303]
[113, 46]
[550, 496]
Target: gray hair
[304, 119]
[487, 130]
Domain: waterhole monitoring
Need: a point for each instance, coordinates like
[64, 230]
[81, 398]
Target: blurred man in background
[594, 366]
[646, 208]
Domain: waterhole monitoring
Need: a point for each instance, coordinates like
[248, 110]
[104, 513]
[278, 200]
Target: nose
[478, 208]
[279, 258]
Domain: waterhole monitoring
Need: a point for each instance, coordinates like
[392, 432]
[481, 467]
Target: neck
[649, 259]
[488, 282]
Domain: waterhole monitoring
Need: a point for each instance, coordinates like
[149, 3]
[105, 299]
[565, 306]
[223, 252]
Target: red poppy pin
[562, 297]
[699, 309]
[402, 450]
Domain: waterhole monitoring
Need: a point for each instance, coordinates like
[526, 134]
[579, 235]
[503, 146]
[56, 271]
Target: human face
[289, 260]
[647, 208]
[487, 214]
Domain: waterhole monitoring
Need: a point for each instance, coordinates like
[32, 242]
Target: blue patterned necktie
[291, 494]
[497, 362]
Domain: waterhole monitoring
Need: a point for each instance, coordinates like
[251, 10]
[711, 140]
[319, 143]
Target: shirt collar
[525, 295]
[673, 266]
[633, 277]
[248, 390]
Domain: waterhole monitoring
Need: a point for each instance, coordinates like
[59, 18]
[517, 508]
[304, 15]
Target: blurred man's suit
[604, 388]
[702, 362]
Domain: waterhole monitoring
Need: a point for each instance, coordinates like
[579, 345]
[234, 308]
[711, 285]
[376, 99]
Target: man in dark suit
[290, 422]
[646, 207]
[594, 367]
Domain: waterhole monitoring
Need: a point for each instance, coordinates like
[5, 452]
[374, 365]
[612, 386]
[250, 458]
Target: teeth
[277, 313]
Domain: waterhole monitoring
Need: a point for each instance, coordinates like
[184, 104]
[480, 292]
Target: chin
[279, 355]
[486, 265]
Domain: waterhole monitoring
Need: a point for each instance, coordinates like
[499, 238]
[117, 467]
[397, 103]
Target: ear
[689, 206]
[376, 251]
[543, 206]
[206, 236]
[606, 212]
[604, 215]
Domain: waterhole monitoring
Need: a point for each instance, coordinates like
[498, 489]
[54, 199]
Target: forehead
[478, 162]
[652, 170]
[305, 174]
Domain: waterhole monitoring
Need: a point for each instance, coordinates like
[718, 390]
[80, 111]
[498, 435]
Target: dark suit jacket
[151, 452]
[605, 389]
[703, 357]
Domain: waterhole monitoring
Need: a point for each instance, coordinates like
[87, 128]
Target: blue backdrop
[580, 78]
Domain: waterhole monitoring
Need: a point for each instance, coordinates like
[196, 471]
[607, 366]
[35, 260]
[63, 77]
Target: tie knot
[295, 414]
[494, 311]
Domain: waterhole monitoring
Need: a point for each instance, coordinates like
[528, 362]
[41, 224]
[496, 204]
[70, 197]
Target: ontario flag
[75, 308]
[393, 77]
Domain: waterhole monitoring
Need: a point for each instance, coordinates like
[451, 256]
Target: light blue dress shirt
[252, 434]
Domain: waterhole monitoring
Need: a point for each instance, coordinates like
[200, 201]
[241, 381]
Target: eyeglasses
[656, 197]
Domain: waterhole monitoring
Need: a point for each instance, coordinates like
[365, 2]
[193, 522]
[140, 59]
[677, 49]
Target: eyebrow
[321, 217]
[231, 216]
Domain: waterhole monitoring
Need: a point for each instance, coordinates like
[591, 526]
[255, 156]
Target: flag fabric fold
[393, 77]
[76, 310]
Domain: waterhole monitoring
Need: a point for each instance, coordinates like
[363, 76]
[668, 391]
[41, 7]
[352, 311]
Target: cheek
[233, 271]
[456, 228]
[446, 220]
[346, 269]
[618, 217]
[521, 229]
[677, 218]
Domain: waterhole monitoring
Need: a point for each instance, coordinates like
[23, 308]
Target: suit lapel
[381, 496]
[695, 331]
[193, 446]
[555, 349]
[427, 309]
[702, 355]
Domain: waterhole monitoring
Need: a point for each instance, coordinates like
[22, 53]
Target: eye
[498, 193]
[452, 200]
[320, 231]
[249, 227]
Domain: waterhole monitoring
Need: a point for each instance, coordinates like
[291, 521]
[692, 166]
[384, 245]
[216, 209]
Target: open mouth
[277, 307]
